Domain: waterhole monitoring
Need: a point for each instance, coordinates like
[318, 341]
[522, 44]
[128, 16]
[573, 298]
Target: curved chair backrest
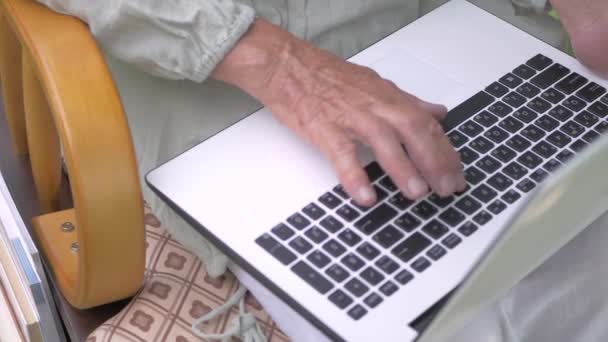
[61, 100]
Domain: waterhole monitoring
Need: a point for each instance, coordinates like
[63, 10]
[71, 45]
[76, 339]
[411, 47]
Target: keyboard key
[564, 156]
[598, 108]
[313, 211]
[591, 136]
[485, 119]
[530, 160]
[339, 189]
[481, 145]
[497, 89]
[424, 210]
[404, 277]
[468, 156]
[552, 165]
[605, 99]
[368, 251]
[525, 114]
[524, 71]
[514, 100]
[559, 139]
[539, 105]
[352, 262]
[372, 276]
[373, 300]
[574, 103]
[407, 222]
[272, 246]
[357, 312]
[451, 241]
[488, 164]
[483, 193]
[436, 252]
[578, 146]
[511, 196]
[334, 248]
[602, 127]
[347, 212]
[376, 218]
[300, 245]
[539, 62]
[468, 205]
[511, 124]
[526, 185]
[571, 83]
[533, 133]
[441, 202]
[318, 259]
[547, 123]
[500, 182]
[341, 299]
[388, 236]
[331, 224]
[544, 149]
[572, 129]
[515, 170]
[510, 80]
[471, 129]
[496, 134]
[518, 143]
[539, 175]
[482, 218]
[452, 217]
[337, 273]
[591, 92]
[312, 277]
[356, 287]
[389, 288]
[330, 200]
[551, 75]
[553, 96]
[457, 139]
[497, 207]
[374, 171]
[282, 231]
[387, 265]
[503, 153]
[400, 201]
[500, 109]
[467, 229]
[586, 119]
[316, 235]
[388, 184]
[435, 229]
[411, 247]
[349, 237]
[561, 113]
[473, 176]
[528, 90]
[421, 264]
[298, 221]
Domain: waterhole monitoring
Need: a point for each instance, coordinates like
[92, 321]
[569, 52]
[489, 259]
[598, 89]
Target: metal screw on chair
[67, 227]
[74, 247]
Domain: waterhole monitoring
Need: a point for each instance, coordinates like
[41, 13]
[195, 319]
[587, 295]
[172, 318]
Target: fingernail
[366, 195]
[447, 184]
[417, 187]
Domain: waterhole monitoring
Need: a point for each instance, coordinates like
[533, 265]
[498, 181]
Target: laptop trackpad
[417, 77]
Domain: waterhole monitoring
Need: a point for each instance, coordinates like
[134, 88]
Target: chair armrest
[71, 101]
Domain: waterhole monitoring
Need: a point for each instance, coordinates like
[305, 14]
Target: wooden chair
[62, 105]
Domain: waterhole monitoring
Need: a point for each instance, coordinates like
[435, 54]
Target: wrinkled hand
[336, 104]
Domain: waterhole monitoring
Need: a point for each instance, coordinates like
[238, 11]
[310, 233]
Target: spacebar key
[312, 277]
[376, 218]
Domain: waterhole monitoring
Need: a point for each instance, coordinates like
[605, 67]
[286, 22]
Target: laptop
[528, 122]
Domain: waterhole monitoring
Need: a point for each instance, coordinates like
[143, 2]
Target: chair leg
[12, 90]
[42, 139]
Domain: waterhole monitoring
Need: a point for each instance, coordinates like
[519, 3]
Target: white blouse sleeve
[175, 39]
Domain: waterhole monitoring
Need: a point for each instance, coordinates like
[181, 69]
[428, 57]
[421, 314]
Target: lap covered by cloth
[168, 117]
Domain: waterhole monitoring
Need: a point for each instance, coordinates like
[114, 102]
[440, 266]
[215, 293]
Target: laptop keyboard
[515, 133]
